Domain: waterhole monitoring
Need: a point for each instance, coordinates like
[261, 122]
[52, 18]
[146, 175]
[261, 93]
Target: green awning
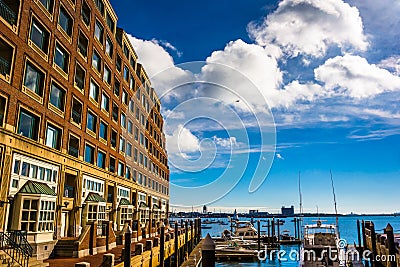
[124, 202]
[156, 207]
[37, 188]
[94, 197]
[143, 205]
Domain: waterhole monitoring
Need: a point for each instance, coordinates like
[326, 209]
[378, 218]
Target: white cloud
[392, 64]
[310, 27]
[354, 76]
[182, 141]
[225, 142]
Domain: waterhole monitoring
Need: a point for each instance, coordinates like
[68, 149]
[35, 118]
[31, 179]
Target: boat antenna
[334, 199]
[301, 197]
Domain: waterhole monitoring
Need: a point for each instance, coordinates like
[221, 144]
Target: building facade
[81, 133]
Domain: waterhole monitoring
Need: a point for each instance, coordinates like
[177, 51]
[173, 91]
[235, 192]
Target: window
[129, 149]
[79, 77]
[117, 85]
[107, 74]
[29, 215]
[112, 164]
[34, 79]
[46, 216]
[82, 44]
[61, 58]
[135, 155]
[3, 102]
[126, 51]
[121, 168]
[130, 127]
[53, 137]
[99, 31]
[109, 47]
[114, 135]
[101, 160]
[123, 120]
[94, 91]
[39, 36]
[141, 158]
[96, 61]
[110, 22]
[73, 146]
[65, 21]
[57, 96]
[136, 133]
[132, 83]
[48, 5]
[119, 63]
[131, 106]
[105, 103]
[133, 63]
[124, 97]
[85, 13]
[115, 112]
[76, 113]
[122, 144]
[141, 139]
[103, 130]
[89, 154]
[126, 73]
[91, 122]
[128, 172]
[28, 125]
[100, 6]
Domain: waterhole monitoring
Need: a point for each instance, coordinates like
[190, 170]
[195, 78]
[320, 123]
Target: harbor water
[347, 228]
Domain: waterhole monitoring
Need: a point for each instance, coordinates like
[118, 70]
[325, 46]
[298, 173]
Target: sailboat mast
[301, 197]
[334, 199]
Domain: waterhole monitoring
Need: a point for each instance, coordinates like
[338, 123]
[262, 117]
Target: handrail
[4, 65]
[15, 244]
[7, 13]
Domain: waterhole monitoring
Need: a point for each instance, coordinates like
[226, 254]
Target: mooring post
[278, 226]
[364, 240]
[186, 246]
[162, 244]
[298, 228]
[391, 244]
[200, 233]
[208, 252]
[258, 235]
[373, 241]
[295, 227]
[269, 229]
[359, 237]
[176, 244]
[273, 230]
[191, 236]
[128, 241]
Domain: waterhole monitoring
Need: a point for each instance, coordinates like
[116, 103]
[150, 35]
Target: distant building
[253, 211]
[287, 211]
[204, 209]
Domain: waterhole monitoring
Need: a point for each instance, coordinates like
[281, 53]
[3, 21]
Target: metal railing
[76, 116]
[4, 66]
[15, 244]
[7, 13]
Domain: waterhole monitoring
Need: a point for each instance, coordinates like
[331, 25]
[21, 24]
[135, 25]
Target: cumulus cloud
[310, 27]
[392, 64]
[183, 141]
[354, 76]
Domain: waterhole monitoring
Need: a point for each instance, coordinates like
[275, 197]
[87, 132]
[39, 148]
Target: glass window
[79, 77]
[28, 125]
[91, 122]
[34, 79]
[121, 168]
[3, 102]
[128, 172]
[48, 4]
[132, 83]
[61, 58]
[122, 144]
[65, 21]
[94, 91]
[119, 63]
[53, 137]
[29, 216]
[99, 31]
[114, 135]
[103, 130]
[126, 51]
[96, 61]
[39, 36]
[101, 160]
[129, 149]
[135, 155]
[123, 120]
[136, 133]
[46, 216]
[76, 113]
[57, 97]
[107, 74]
[117, 86]
[112, 164]
[89, 154]
[85, 13]
[110, 22]
[133, 63]
[130, 127]
[100, 6]
[109, 47]
[115, 112]
[73, 146]
[126, 73]
[124, 97]
[105, 102]
[132, 106]
[82, 44]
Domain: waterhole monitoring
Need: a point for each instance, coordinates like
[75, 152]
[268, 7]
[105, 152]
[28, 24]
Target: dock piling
[128, 241]
[392, 247]
[176, 240]
[208, 252]
[359, 237]
[258, 235]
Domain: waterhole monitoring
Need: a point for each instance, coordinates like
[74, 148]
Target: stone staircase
[64, 248]
[6, 261]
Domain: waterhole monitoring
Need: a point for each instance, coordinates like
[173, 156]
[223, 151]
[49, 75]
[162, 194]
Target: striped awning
[94, 197]
[124, 202]
[37, 188]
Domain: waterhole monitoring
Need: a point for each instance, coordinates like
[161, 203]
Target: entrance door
[64, 224]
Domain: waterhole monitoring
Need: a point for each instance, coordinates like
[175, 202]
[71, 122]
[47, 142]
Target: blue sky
[318, 88]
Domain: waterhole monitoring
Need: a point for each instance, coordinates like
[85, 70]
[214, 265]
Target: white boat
[241, 229]
[322, 246]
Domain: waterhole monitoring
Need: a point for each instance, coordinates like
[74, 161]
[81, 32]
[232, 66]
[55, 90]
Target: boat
[285, 236]
[321, 246]
[206, 227]
[242, 229]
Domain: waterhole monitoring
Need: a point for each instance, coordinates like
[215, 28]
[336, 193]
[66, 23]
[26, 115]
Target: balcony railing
[7, 13]
[76, 116]
[69, 190]
[73, 151]
[4, 65]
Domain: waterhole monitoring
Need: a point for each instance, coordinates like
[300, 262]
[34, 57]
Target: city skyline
[327, 70]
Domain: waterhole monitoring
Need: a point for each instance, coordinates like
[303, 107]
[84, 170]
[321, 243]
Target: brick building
[81, 133]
